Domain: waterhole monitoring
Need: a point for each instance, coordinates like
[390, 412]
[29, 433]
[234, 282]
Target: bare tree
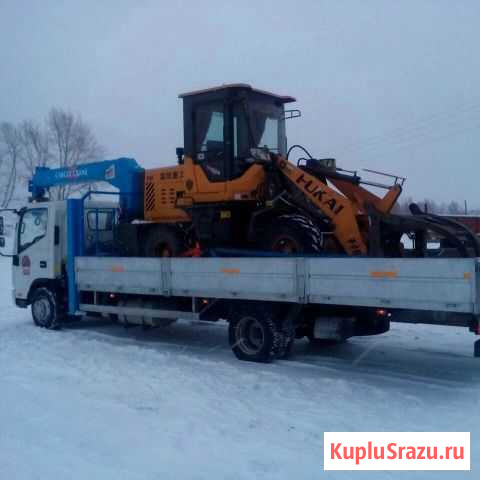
[454, 208]
[35, 148]
[72, 143]
[10, 149]
[403, 206]
[429, 206]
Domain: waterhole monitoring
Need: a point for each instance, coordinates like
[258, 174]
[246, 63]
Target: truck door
[34, 253]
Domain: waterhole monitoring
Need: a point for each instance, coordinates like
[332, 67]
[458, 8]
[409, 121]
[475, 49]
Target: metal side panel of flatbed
[437, 284]
[449, 285]
[245, 278]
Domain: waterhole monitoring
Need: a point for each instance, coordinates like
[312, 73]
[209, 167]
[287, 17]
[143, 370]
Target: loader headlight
[260, 154]
[328, 163]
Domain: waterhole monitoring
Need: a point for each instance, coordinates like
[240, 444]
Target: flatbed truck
[60, 268]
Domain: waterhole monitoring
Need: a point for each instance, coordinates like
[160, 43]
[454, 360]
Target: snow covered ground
[96, 401]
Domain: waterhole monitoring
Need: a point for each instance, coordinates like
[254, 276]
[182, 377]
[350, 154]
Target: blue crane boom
[122, 173]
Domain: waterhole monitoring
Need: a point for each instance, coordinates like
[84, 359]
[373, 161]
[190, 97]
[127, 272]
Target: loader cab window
[241, 143]
[209, 140]
[225, 130]
[268, 126]
[269, 137]
[258, 124]
[32, 227]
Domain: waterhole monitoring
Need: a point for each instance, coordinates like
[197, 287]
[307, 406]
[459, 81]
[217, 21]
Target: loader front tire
[254, 335]
[293, 233]
[163, 241]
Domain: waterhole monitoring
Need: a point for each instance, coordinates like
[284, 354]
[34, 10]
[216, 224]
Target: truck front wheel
[45, 308]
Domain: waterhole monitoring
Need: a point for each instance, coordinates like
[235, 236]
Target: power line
[459, 120]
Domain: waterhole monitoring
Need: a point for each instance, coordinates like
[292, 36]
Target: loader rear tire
[254, 335]
[164, 241]
[293, 233]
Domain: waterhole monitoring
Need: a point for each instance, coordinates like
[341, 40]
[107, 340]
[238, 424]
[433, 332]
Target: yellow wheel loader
[236, 187]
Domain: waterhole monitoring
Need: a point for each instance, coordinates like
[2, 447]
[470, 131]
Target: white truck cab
[40, 243]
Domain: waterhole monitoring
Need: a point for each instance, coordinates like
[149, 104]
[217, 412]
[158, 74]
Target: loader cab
[222, 124]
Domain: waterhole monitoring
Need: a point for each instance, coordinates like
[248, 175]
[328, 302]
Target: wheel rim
[250, 335]
[41, 311]
[285, 244]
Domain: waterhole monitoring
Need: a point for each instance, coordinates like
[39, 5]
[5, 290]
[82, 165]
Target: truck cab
[39, 251]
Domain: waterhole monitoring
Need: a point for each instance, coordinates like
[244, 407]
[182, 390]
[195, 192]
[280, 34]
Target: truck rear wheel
[254, 335]
[293, 233]
[46, 311]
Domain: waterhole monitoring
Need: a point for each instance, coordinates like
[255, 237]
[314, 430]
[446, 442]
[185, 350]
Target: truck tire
[164, 241]
[46, 310]
[254, 335]
[293, 233]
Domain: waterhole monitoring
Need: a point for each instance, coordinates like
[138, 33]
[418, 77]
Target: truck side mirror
[2, 246]
[2, 228]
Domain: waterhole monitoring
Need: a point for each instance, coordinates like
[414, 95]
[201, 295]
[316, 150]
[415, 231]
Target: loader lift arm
[122, 173]
[342, 207]
[363, 222]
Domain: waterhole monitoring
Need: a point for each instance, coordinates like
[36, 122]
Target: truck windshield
[33, 227]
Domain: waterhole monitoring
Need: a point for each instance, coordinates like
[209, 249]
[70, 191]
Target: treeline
[431, 206]
[62, 140]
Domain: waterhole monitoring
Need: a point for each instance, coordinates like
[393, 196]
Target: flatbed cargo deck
[342, 292]
[444, 285]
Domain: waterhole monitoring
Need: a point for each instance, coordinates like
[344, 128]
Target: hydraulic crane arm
[122, 173]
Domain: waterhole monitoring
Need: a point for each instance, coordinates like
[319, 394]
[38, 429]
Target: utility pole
[466, 209]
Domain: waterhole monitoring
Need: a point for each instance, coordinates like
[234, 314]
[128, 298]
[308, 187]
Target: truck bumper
[21, 302]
